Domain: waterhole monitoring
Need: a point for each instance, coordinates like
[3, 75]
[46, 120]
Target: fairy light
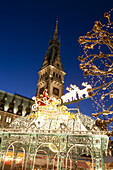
[97, 64]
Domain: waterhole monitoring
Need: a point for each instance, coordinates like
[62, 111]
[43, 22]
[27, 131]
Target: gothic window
[56, 75]
[57, 64]
[8, 119]
[60, 77]
[53, 74]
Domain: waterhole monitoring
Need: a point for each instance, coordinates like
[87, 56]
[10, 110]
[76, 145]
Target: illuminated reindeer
[84, 93]
[71, 95]
[74, 91]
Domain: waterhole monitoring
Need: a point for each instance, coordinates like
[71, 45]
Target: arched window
[60, 77]
[53, 74]
[57, 65]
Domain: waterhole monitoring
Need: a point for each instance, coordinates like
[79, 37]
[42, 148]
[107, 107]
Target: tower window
[53, 74]
[57, 64]
[60, 77]
[56, 75]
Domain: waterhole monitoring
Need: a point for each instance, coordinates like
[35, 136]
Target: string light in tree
[97, 64]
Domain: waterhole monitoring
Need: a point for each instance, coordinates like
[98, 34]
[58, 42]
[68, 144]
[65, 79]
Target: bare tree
[97, 64]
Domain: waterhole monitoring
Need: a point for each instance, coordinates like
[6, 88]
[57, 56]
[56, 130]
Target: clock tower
[51, 74]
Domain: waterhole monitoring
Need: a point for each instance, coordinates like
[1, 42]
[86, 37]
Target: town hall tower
[51, 74]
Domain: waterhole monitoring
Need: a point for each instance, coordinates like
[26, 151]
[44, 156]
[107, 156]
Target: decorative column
[96, 158]
[92, 147]
[14, 157]
[1, 152]
[58, 154]
[53, 162]
[3, 149]
[99, 143]
[33, 151]
[61, 161]
[70, 164]
[66, 153]
[27, 154]
[102, 153]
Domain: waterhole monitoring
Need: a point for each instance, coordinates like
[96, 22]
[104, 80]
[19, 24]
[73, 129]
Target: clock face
[55, 91]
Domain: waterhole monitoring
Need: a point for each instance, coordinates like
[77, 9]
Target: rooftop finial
[56, 29]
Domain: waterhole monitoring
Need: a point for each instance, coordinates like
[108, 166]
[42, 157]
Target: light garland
[97, 63]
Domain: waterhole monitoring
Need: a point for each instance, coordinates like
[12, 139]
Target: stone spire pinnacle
[55, 36]
[56, 29]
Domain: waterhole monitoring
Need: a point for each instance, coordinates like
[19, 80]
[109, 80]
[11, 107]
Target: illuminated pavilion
[52, 137]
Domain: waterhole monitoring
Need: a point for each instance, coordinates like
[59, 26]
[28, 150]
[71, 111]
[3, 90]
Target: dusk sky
[25, 31]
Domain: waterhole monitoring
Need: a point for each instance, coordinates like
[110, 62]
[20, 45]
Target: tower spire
[55, 36]
[51, 74]
[56, 29]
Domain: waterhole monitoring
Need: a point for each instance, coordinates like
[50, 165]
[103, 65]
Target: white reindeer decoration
[74, 91]
[84, 91]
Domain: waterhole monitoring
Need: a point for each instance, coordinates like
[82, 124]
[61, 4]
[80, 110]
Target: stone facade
[13, 106]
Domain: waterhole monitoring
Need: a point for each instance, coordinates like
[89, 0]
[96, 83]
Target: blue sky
[25, 30]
